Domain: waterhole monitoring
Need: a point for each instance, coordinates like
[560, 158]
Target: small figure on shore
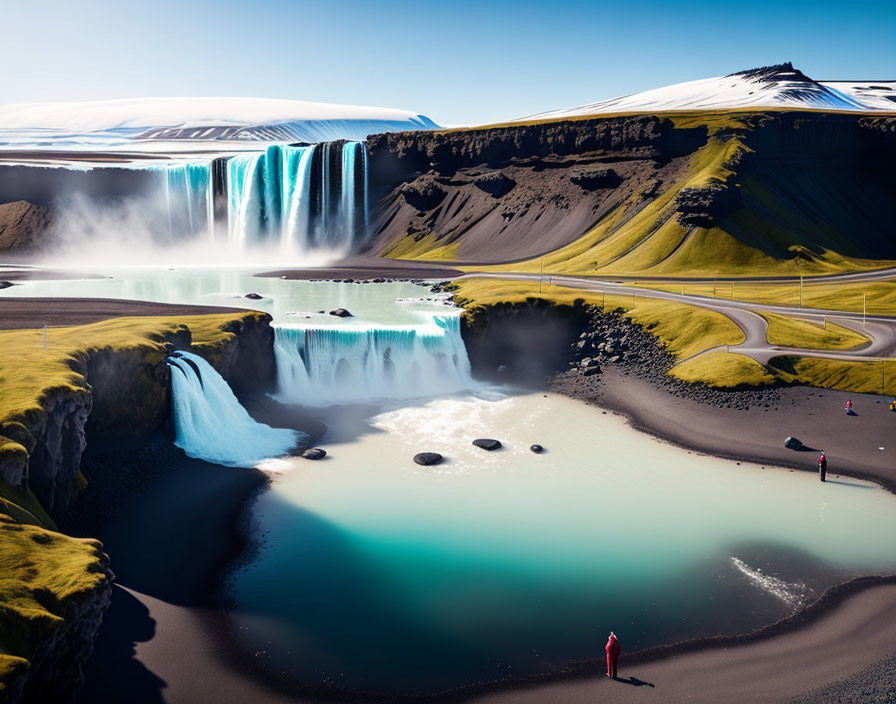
[822, 467]
[849, 407]
[612, 655]
[893, 405]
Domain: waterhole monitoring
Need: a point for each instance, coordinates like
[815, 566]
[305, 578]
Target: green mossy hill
[43, 575]
[769, 192]
[46, 576]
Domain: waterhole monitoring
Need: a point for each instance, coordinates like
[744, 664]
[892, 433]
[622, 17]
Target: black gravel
[610, 340]
[876, 685]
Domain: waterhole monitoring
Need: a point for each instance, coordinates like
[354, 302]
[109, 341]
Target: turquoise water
[290, 302]
[381, 576]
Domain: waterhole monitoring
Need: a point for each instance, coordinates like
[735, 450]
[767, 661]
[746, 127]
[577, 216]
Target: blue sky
[458, 62]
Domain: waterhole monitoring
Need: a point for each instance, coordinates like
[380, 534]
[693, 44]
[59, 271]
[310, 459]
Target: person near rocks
[822, 467]
[613, 650]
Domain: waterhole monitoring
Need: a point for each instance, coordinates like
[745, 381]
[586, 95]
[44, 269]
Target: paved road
[880, 329]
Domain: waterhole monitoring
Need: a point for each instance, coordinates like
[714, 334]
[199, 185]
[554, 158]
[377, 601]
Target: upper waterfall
[310, 197]
[211, 425]
[326, 364]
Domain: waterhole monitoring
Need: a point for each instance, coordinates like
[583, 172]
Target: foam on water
[320, 365]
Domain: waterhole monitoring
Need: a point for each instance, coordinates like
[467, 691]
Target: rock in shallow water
[314, 453]
[254, 296]
[341, 313]
[428, 458]
[537, 449]
[487, 443]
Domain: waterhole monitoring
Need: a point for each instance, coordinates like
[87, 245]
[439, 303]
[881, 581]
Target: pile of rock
[608, 340]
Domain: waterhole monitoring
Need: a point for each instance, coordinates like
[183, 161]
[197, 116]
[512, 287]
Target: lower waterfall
[211, 425]
[343, 363]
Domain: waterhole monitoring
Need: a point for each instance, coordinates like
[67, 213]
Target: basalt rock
[593, 179]
[314, 453]
[341, 313]
[428, 459]
[537, 449]
[254, 296]
[489, 444]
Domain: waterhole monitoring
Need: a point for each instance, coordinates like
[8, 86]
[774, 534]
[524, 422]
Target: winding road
[881, 330]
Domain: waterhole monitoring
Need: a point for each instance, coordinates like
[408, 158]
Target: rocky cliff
[661, 193]
[54, 589]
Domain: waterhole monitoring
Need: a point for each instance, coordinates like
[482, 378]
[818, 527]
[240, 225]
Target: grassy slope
[781, 217]
[877, 298]
[874, 377]
[788, 332]
[39, 568]
[687, 331]
[684, 330]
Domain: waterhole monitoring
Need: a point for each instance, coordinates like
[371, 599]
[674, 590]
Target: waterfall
[302, 197]
[189, 201]
[245, 199]
[211, 425]
[341, 363]
[296, 194]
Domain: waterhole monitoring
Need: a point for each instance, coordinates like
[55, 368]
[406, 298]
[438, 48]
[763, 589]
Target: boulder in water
[6, 284]
[537, 449]
[428, 458]
[341, 313]
[487, 444]
[254, 296]
[314, 453]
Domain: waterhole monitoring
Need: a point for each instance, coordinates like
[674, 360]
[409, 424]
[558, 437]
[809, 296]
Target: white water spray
[791, 593]
[333, 364]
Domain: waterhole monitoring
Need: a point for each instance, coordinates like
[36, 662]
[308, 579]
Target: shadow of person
[113, 673]
[855, 485]
[635, 682]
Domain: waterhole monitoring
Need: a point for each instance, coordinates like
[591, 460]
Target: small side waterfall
[332, 364]
[211, 425]
[303, 197]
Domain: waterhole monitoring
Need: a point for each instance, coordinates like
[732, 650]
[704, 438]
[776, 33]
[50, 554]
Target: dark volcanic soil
[19, 313]
[746, 425]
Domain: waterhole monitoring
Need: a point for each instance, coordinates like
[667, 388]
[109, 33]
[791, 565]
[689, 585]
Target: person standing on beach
[822, 467]
[612, 655]
[848, 407]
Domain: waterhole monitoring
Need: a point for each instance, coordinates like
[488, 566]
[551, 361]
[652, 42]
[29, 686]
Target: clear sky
[459, 61]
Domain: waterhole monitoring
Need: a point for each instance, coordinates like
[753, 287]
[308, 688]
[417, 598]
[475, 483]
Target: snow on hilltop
[191, 124]
[767, 87]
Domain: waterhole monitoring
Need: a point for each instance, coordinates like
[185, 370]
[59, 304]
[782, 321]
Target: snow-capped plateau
[767, 87]
[189, 126]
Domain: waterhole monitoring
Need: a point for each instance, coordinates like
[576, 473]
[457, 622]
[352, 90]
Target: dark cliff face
[125, 392]
[515, 192]
[521, 342]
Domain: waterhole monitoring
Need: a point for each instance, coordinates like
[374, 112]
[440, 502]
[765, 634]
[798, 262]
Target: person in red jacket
[612, 655]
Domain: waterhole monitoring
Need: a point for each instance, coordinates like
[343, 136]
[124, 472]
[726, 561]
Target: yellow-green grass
[27, 371]
[425, 248]
[685, 330]
[875, 298]
[791, 332]
[723, 370]
[39, 568]
[40, 572]
[872, 377]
